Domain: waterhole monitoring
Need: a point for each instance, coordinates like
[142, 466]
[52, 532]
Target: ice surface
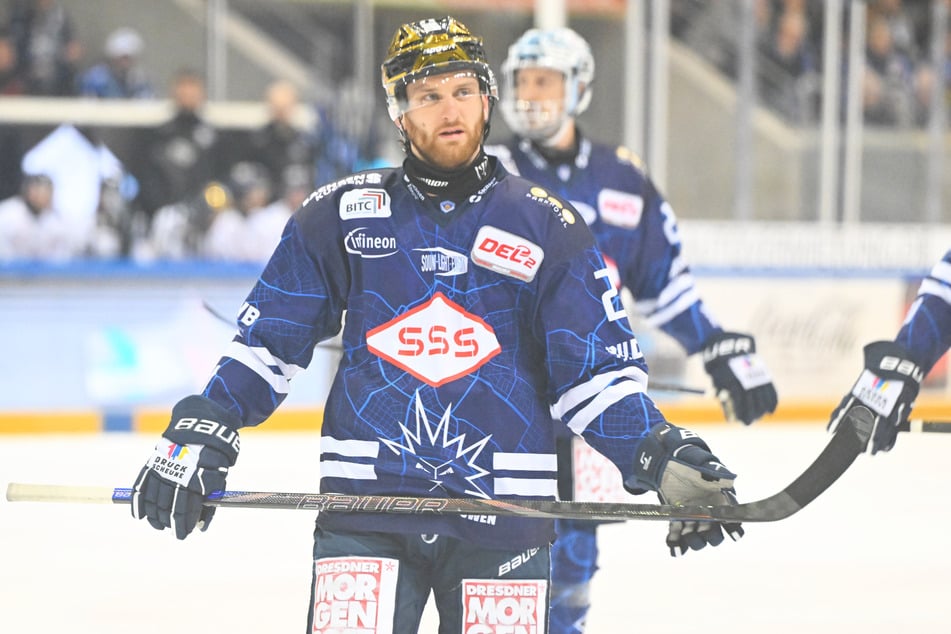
[871, 555]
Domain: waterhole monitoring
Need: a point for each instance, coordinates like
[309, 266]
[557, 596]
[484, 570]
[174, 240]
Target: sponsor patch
[366, 178]
[442, 262]
[620, 208]
[364, 203]
[626, 350]
[507, 253]
[563, 215]
[436, 342]
[750, 371]
[174, 462]
[504, 607]
[362, 242]
[356, 595]
[879, 394]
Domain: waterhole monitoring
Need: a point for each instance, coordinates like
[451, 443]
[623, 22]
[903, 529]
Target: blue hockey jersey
[634, 226]
[926, 333]
[470, 330]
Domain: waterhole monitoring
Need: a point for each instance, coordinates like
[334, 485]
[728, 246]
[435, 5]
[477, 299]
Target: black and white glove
[740, 378]
[190, 462]
[888, 386]
[677, 464]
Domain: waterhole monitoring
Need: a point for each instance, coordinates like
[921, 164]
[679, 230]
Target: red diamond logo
[437, 342]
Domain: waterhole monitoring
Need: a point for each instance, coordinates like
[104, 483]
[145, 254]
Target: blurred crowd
[899, 76]
[190, 191]
[187, 191]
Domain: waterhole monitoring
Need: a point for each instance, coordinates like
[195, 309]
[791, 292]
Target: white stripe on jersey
[670, 311]
[942, 272]
[503, 460]
[675, 288]
[348, 470]
[932, 287]
[526, 486]
[258, 359]
[580, 393]
[580, 421]
[351, 448]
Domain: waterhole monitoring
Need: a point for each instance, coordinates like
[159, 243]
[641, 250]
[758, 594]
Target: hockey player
[889, 383]
[546, 85]
[478, 309]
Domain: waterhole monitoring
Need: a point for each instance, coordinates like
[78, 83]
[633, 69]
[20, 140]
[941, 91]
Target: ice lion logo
[177, 452]
[445, 458]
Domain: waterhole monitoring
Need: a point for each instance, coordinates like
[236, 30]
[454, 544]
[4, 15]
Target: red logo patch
[436, 342]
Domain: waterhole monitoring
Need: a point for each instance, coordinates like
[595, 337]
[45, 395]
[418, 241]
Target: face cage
[396, 103]
[539, 120]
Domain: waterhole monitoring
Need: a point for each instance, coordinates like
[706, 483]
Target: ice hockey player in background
[889, 383]
[479, 317]
[546, 85]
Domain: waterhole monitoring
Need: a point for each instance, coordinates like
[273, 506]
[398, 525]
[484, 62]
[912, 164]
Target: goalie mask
[561, 50]
[431, 47]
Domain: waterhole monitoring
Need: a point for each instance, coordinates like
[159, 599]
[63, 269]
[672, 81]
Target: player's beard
[441, 153]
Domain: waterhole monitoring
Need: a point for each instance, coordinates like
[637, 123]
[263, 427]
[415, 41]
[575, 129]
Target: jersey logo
[442, 262]
[441, 452]
[364, 203]
[620, 208]
[366, 245]
[436, 342]
[507, 253]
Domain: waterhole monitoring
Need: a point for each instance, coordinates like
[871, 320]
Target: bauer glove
[740, 378]
[190, 461]
[888, 386]
[677, 464]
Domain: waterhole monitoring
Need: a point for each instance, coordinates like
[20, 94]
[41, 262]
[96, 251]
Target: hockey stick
[848, 441]
[930, 426]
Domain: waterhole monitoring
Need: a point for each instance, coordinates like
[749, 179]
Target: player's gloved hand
[677, 464]
[740, 377]
[888, 386]
[190, 461]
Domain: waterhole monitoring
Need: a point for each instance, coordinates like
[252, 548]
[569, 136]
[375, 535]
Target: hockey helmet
[560, 49]
[433, 47]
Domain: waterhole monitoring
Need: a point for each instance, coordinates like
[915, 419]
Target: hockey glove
[740, 377]
[677, 464]
[888, 386]
[190, 461]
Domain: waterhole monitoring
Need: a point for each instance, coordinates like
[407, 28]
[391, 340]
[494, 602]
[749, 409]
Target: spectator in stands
[266, 225]
[179, 157]
[48, 50]
[887, 85]
[10, 81]
[229, 237]
[30, 228]
[119, 75]
[789, 67]
[10, 134]
[282, 142]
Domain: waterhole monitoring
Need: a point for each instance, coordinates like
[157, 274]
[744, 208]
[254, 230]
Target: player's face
[444, 119]
[540, 95]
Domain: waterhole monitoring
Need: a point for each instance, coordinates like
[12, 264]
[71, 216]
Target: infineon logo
[507, 253]
[366, 245]
[364, 203]
[437, 342]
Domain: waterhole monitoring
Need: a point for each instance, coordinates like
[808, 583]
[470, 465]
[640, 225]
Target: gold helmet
[432, 47]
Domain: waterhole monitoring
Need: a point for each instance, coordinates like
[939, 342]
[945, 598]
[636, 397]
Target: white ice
[873, 554]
